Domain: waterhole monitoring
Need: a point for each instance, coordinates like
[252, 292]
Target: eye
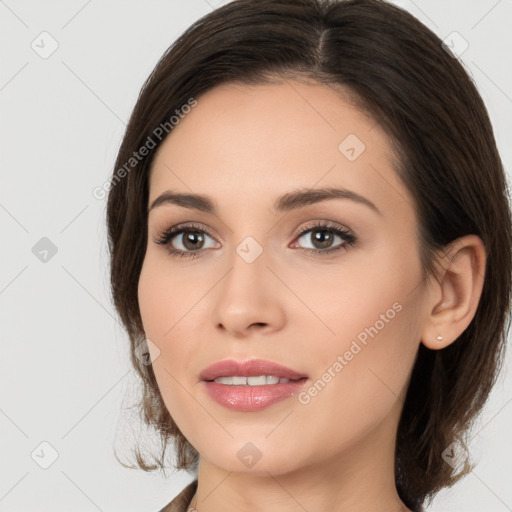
[189, 245]
[322, 236]
[189, 240]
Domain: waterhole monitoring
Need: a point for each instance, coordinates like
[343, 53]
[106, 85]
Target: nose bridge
[247, 279]
[247, 295]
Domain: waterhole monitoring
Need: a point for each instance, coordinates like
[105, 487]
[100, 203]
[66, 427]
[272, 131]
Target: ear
[455, 293]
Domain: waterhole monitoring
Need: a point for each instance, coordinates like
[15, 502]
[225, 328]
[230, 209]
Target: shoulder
[182, 501]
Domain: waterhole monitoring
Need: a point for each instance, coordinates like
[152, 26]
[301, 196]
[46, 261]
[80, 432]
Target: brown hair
[398, 71]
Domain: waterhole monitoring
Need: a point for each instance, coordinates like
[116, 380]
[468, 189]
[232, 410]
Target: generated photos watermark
[304, 397]
[159, 133]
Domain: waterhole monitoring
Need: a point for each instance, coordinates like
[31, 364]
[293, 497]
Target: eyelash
[349, 239]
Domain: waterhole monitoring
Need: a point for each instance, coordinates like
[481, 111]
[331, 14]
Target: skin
[244, 146]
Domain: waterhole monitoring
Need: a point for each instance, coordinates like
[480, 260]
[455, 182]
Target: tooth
[224, 380]
[261, 380]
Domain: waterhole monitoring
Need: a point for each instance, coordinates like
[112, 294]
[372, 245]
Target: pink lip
[251, 368]
[250, 398]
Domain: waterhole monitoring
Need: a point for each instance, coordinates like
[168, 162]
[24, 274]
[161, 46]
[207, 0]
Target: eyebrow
[287, 202]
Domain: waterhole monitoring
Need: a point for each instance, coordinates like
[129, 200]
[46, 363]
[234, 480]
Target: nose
[249, 298]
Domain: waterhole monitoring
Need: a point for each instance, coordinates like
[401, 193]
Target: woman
[310, 251]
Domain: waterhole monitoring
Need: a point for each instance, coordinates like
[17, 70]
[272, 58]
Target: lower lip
[252, 398]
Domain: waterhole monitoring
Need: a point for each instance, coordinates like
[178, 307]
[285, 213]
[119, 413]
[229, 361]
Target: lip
[251, 368]
[250, 398]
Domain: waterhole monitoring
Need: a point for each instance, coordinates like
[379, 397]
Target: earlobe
[455, 293]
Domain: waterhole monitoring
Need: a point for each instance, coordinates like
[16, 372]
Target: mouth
[259, 380]
[250, 386]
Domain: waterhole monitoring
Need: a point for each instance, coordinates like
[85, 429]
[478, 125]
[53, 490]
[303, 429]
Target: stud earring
[439, 338]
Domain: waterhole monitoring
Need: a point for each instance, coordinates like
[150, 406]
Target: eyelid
[322, 223]
[179, 228]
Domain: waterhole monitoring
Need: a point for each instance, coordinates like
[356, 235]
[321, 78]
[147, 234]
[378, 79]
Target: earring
[439, 338]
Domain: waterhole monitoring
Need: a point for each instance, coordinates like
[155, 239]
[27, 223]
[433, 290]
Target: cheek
[164, 297]
[151, 305]
[366, 333]
[365, 376]
[168, 305]
[348, 299]
[160, 311]
[362, 373]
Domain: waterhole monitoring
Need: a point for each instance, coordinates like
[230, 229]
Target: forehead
[249, 141]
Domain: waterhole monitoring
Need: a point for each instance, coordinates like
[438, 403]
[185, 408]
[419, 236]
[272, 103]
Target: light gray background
[64, 366]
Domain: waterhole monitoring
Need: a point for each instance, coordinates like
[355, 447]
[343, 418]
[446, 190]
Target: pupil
[193, 237]
[323, 239]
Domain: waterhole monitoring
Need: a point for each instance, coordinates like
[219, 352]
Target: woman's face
[349, 319]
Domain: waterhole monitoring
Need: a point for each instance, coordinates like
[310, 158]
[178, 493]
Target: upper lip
[251, 368]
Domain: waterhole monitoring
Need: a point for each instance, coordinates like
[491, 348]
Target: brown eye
[185, 240]
[192, 240]
[323, 236]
